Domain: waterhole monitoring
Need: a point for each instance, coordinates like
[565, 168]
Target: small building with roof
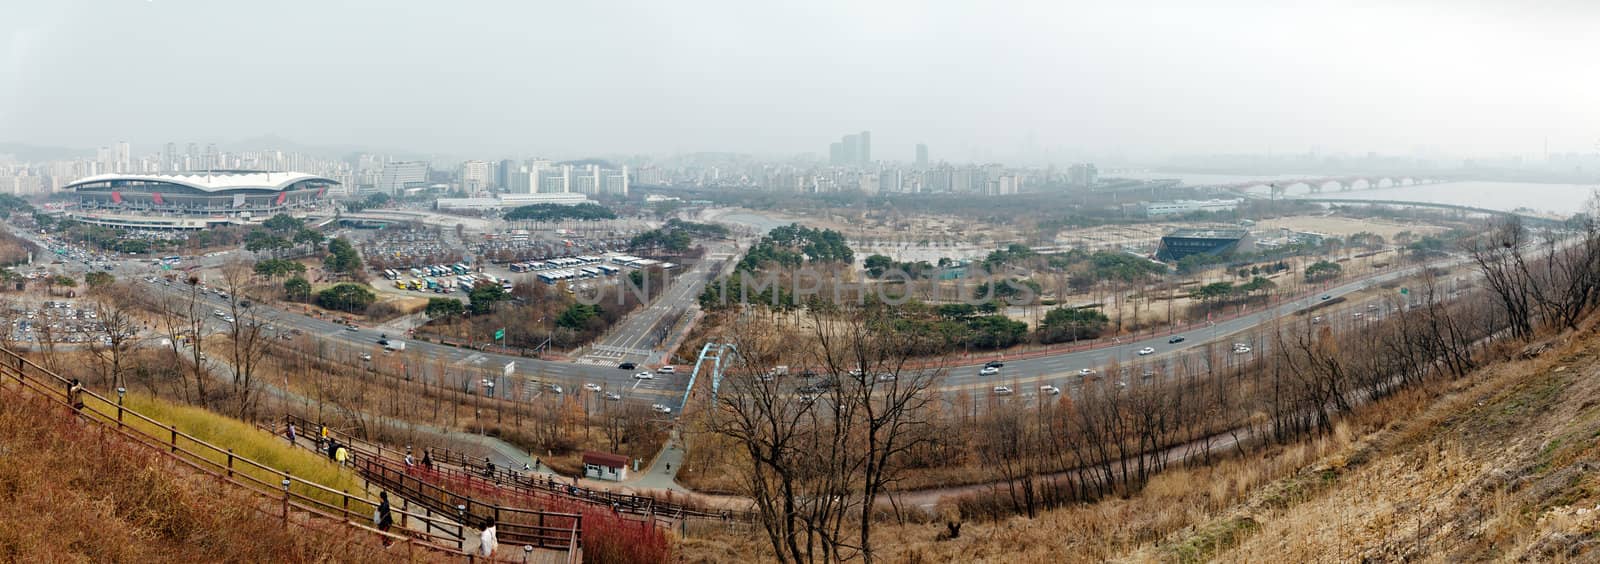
[605, 466]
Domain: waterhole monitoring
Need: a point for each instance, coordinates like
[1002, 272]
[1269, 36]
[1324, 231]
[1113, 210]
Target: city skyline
[1224, 78]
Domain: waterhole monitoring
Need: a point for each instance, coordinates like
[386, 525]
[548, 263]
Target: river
[1557, 199]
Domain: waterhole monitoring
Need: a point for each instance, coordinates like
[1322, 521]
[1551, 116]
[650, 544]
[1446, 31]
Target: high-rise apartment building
[124, 157]
[922, 155]
[851, 150]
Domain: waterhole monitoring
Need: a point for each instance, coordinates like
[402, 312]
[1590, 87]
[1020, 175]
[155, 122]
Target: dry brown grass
[74, 493]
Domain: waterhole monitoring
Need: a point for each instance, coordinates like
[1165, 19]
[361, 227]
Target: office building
[1176, 207]
[922, 155]
[399, 176]
[474, 176]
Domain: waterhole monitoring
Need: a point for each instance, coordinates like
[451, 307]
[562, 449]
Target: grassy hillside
[71, 493]
[1503, 469]
[1498, 465]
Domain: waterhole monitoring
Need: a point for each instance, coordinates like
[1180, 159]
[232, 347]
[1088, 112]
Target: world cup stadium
[193, 201]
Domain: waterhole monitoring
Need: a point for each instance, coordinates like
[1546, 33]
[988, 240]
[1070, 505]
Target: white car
[1049, 390]
[1147, 351]
[1241, 349]
[988, 371]
[592, 387]
[366, 356]
[661, 408]
[668, 369]
[887, 377]
[613, 396]
[1086, 372]
[644, 376]
[1002, 390]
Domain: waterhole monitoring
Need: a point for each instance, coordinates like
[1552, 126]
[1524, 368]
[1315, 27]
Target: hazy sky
[567, 78]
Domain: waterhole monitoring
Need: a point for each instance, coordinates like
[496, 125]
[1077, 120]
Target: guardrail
[294, 493]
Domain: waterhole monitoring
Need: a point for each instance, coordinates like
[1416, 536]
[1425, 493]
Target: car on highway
[1002, 390]
[887, 377]
[1049, 390]
[613, 396]
[592, 387]
[1327, 296]
[988, 371]
[994, 364]
[1176, 339]
[351, 328]
[627, 366]
[645, 375]
[554, 388]
[668, 369]
[659, 408]
[366, 356]
[1086, 372]
[1147, 351]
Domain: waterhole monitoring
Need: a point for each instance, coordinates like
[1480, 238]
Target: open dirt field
[1344, 226]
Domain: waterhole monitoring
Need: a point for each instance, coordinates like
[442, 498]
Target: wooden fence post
[174, 430]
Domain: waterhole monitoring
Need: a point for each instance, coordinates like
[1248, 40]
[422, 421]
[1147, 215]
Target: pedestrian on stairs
[75, 394]
[382, 517]
[291, 434]
[488, 540]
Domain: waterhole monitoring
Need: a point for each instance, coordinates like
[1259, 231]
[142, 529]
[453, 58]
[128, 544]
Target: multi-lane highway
[1059, 370]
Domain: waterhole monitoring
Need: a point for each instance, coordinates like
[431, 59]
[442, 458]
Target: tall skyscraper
[864, 149]
[836, 154]
[922, 155]
[503, 172]
[851, 149]
[169, 157]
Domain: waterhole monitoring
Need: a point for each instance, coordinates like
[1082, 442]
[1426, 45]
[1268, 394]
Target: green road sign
[499, 334]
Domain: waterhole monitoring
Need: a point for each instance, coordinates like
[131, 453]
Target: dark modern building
[1215, 242]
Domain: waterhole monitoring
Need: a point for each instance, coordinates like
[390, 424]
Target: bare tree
[248, 340]
[111, 336]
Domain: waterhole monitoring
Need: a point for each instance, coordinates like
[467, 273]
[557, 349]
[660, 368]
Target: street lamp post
[121, 393]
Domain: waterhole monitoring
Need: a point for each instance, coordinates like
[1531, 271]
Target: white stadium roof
[214, 181]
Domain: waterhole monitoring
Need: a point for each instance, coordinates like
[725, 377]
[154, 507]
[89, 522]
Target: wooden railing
[440, 536]
[472, 470]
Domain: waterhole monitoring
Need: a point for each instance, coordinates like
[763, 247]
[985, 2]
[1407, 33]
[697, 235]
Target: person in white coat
[487, 541]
